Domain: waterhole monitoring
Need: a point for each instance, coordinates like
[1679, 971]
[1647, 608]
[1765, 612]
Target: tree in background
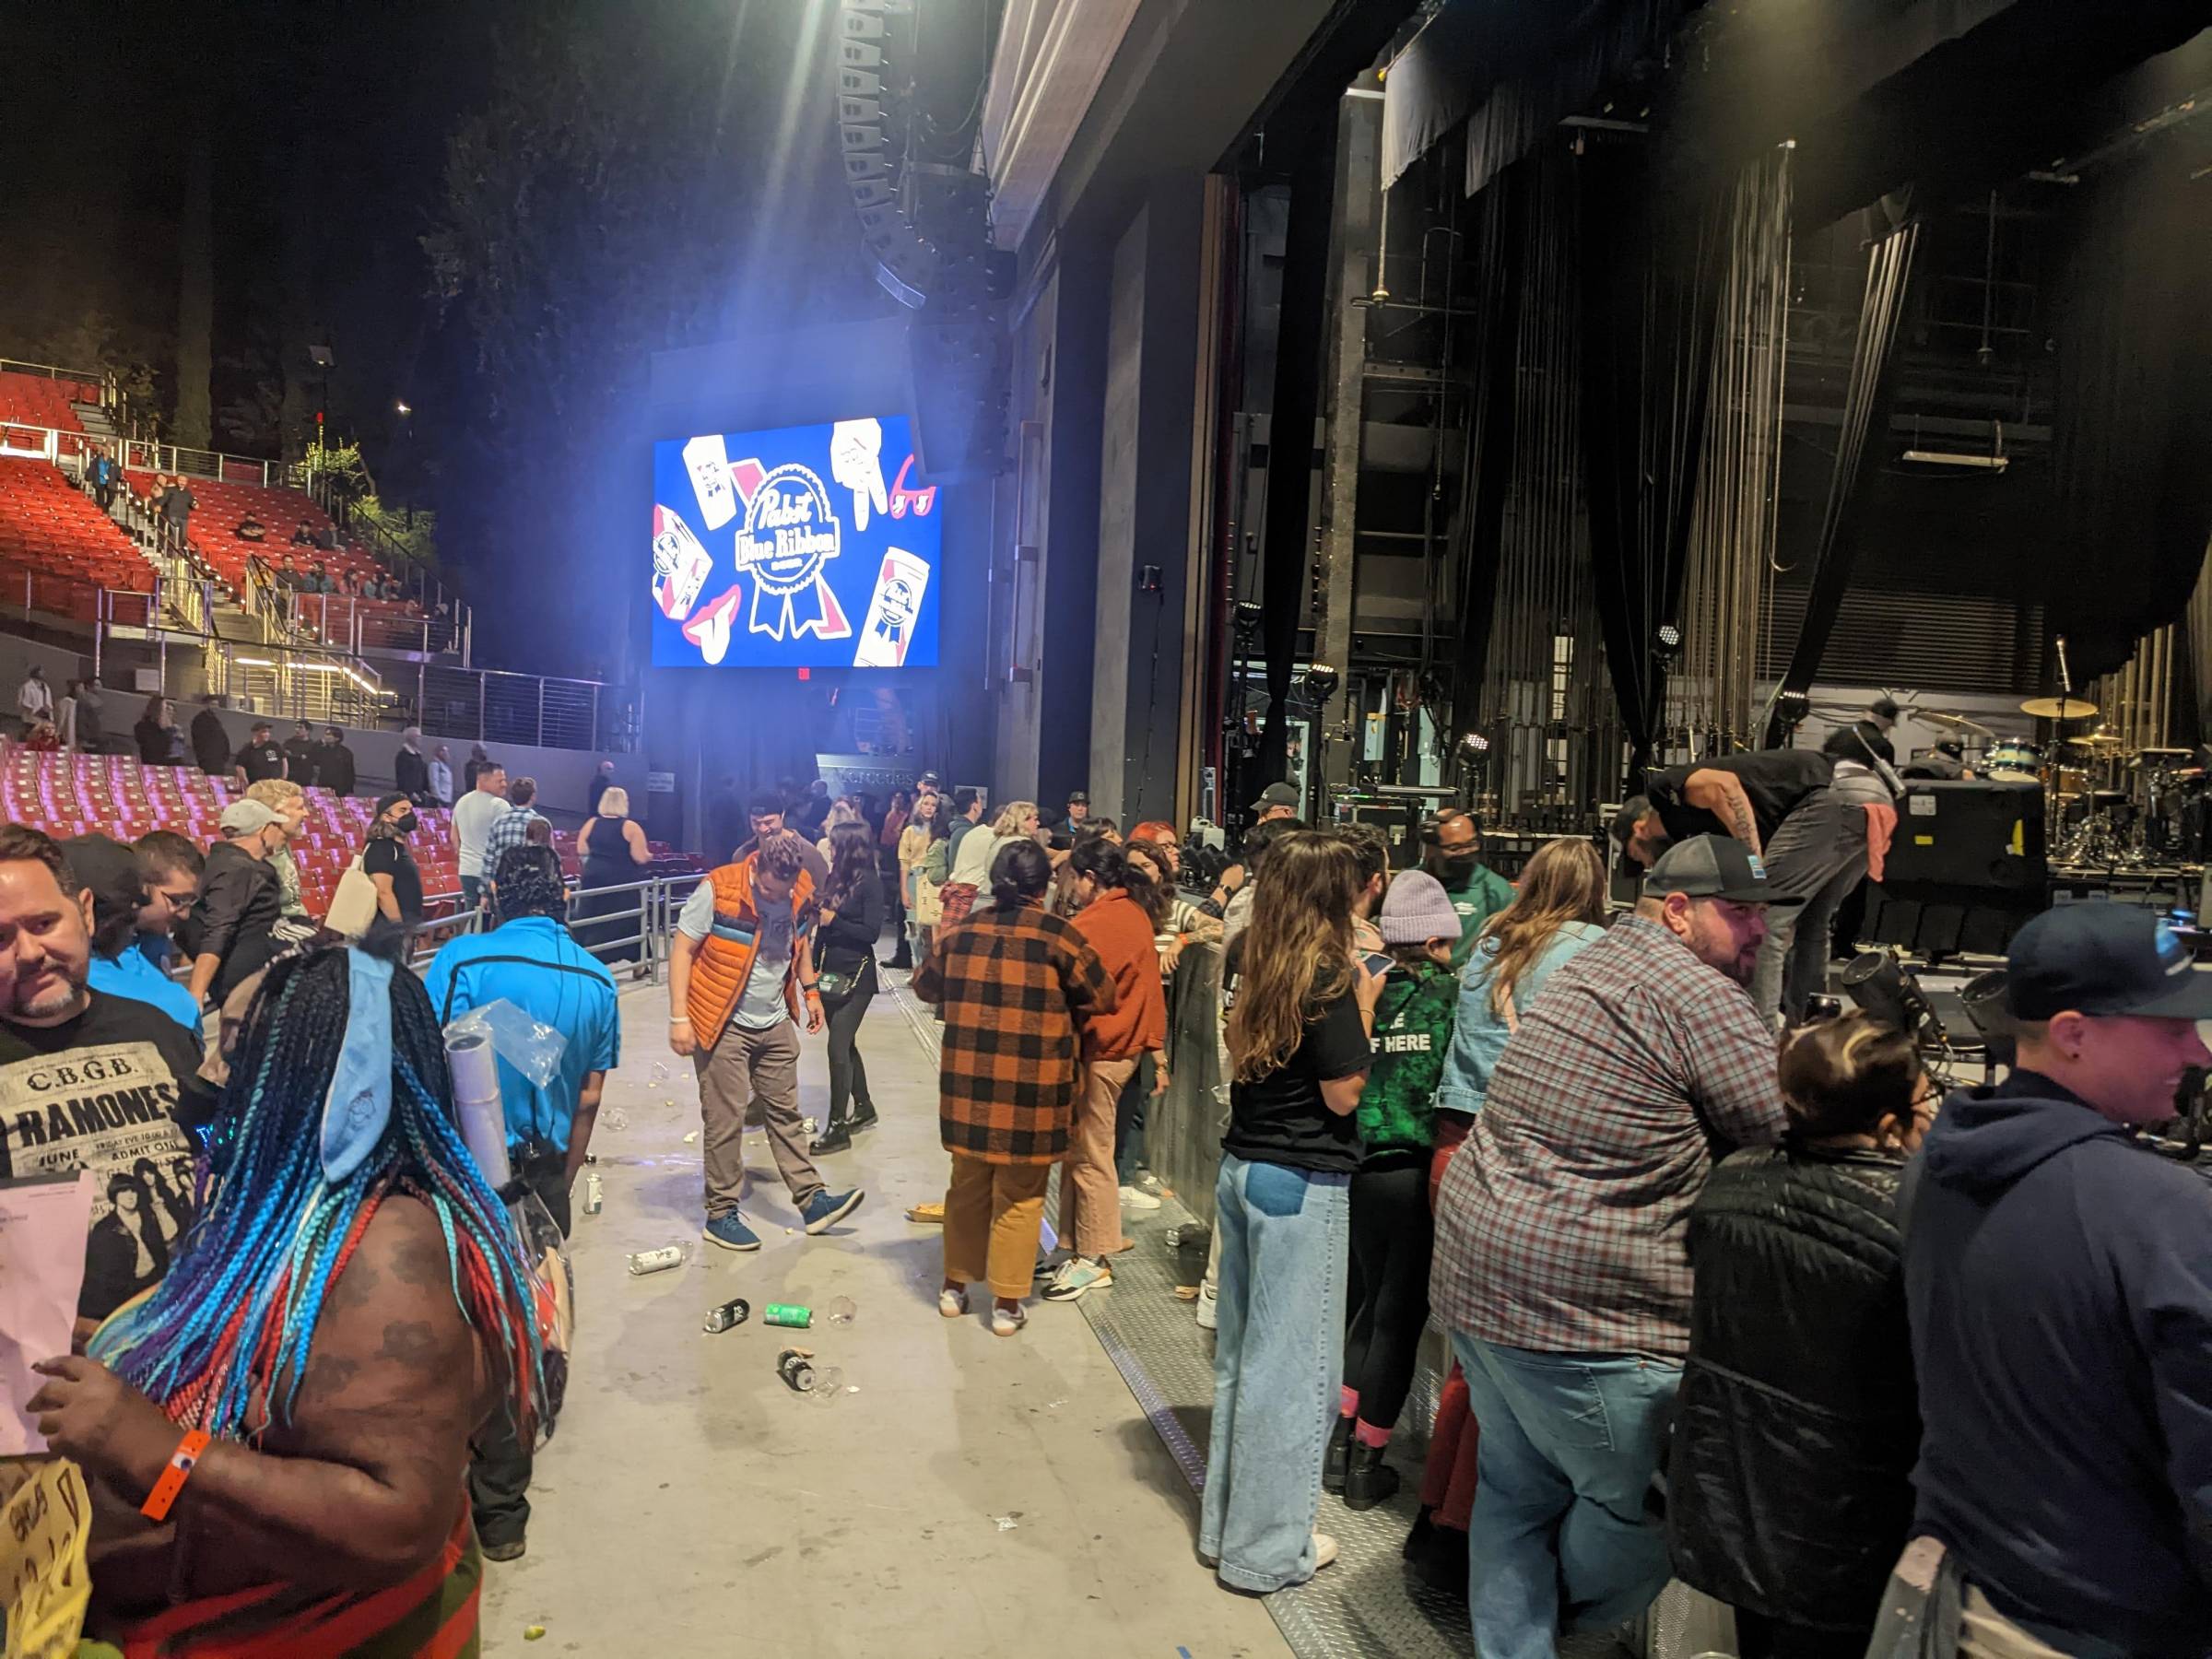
[640, 179]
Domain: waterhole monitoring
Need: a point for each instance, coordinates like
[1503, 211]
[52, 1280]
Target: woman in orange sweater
[1112, 914]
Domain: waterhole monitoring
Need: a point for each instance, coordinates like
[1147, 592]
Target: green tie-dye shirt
[1413, 1034]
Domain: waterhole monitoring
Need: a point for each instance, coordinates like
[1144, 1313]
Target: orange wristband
[181, 1462]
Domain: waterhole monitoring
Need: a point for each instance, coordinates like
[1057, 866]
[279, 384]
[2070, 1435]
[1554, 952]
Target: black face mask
[1451, 868]
[405, 823]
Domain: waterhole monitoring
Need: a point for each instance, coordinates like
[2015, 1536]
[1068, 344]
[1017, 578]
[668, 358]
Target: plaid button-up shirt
[510, 828]
[1013, 985]
[1562, 1221]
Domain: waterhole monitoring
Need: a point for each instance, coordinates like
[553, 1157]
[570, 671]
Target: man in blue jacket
[2059, 1276]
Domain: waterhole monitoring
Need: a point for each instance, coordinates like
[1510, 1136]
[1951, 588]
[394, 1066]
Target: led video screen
[813, 547]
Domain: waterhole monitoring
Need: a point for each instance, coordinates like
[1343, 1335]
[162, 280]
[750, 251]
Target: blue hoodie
[2059, 1278]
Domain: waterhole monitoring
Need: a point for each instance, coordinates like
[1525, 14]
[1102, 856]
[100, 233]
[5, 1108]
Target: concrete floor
[690, 1503]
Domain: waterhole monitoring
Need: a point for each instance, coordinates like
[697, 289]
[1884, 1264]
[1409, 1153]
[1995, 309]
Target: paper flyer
[43, 1227]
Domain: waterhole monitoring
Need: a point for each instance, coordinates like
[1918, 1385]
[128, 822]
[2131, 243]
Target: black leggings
[1388, 1294]
[848, 1073]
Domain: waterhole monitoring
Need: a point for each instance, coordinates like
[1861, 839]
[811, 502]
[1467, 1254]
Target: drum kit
[2111, 806]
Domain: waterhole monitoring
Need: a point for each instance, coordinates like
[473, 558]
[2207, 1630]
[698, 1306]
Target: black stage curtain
[1288, 533]
[1596, 47]
[1500, 269]
[2133, 409]
[1511, 70]
[1647, 309]
[1860, 441]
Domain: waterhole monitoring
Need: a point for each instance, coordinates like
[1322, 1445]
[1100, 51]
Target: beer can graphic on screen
[679, 563]
[708, 466]
[893, 611]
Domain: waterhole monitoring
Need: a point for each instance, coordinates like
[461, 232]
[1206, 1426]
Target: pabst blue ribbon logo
[790, 533]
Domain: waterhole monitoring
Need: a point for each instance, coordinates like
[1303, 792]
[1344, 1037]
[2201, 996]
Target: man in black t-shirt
[260, 759]
[1779, 804]
[90, 1081]
[386, 861]
[299, 756]
[333, 763]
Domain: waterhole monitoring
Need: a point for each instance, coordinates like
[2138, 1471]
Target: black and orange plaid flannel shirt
[1012, 985]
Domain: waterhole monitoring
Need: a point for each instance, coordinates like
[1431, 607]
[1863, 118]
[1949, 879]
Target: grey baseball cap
[1714, 866]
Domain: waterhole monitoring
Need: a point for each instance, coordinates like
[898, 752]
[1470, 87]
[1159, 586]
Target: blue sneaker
[731, 1232]
[826, 1210]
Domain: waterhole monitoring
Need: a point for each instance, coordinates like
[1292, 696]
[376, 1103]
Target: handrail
[655, 915]
[89, 377]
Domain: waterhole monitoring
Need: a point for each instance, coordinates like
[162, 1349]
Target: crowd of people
[300, 1330]
[1736, 1302]
[1664, 1233]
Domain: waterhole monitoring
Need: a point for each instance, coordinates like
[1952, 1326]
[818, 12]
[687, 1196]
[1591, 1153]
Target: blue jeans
[471, 891]
[1279, 1354]
[1570, 1443]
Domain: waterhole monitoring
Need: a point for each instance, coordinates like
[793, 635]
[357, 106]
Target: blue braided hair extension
[233, 1323]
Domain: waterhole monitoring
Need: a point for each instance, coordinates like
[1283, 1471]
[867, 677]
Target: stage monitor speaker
[1966, 869]
[1980, 833]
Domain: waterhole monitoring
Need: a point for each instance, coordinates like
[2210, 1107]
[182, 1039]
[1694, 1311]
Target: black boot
[1437, 1556]
[836, 1137]
[1334, 1460]
[1367, 1480]
[863, 1116]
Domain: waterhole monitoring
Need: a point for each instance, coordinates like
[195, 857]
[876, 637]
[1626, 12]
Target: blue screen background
[850, 575]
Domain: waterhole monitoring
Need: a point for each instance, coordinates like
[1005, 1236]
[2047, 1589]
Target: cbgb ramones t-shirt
[102, 1092]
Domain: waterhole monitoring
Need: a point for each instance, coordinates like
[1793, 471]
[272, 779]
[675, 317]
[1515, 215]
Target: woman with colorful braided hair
[275, 1435]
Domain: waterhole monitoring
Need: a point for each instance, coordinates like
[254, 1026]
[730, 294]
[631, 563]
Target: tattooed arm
[363, 1486]
[1721, 793]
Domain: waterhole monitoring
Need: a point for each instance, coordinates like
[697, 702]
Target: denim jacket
[1478, 1034]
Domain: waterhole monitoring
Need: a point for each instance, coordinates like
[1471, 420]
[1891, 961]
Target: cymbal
[2098, 740]
[2059, 708]
[2152, 757]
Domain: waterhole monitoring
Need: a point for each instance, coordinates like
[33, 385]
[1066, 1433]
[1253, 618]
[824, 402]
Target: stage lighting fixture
[1249, 616]
[1670, 639]
[320, 355]
[1877, 982]
[404, 409]
[1475, 746]
[1983, 1000]
[1321, 682]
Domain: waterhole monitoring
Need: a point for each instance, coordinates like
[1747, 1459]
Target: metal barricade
[1183, 1127]
[632, 929]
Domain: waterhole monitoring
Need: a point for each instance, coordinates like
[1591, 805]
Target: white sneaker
[1004, 1322]
[1208, 1299]
[1137, 1198]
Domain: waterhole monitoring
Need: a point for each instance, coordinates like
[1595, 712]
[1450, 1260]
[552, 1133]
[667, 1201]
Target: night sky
[661, 172]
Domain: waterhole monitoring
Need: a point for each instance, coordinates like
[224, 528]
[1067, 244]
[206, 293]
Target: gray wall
[563, 775]
[1143, 504]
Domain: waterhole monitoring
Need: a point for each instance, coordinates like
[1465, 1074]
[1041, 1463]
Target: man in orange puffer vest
[738, 976]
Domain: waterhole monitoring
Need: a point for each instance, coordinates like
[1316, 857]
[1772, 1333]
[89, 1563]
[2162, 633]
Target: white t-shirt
[474, 815]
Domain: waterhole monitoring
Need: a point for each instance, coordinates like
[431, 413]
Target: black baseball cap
[1714, 866]
[1078, 799]
[2100, 958]
[110, 870]
[1276, 794]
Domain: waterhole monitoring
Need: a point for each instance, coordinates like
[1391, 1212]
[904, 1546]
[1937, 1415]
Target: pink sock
[1347, 1401]
[1367, 1434]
